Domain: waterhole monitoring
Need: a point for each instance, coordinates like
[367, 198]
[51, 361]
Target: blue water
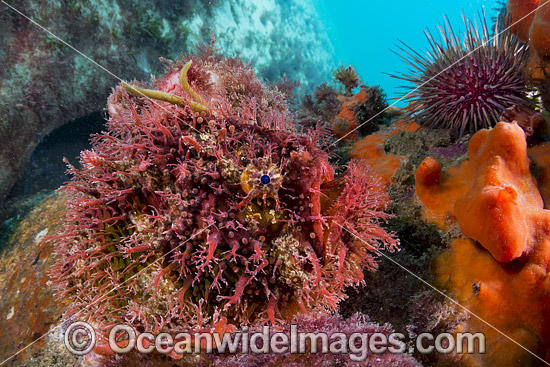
[363, 32]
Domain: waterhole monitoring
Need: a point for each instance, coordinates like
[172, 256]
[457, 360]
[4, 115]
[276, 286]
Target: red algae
[205, 205]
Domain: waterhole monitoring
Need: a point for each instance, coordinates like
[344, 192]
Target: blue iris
[265, 179]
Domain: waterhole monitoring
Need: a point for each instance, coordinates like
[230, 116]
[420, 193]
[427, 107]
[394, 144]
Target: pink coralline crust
[327, 324]
[335, 327]
[171, 220]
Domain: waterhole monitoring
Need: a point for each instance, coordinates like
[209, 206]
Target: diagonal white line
[446, 296]
[113, 289]
[60, 40]
[152, 101]
[96, 63]
[441, 72]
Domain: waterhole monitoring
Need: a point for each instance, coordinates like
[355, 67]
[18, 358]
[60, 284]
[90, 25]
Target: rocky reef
[215, 201]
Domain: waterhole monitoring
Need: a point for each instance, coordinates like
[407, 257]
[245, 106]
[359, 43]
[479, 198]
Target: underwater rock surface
[28, 306]
[45, 84]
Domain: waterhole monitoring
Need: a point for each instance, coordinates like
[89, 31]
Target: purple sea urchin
[464, 82]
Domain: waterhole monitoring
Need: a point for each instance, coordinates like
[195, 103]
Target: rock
[27, 306]
[45, 83]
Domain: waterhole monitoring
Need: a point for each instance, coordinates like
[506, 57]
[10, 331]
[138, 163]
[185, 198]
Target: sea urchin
[464, 82]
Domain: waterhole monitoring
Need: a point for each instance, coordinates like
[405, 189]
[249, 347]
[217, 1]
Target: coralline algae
[205, 204]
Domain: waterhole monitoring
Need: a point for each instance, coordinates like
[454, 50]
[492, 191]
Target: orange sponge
[519, 9]
[371, 150]
[540, 154]
[493, 195]
[539, 32]
[428, 173]
[513, 297]
[534, 29]
[496, 209]
[438, 190]
[345, 123]
[495, 200]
